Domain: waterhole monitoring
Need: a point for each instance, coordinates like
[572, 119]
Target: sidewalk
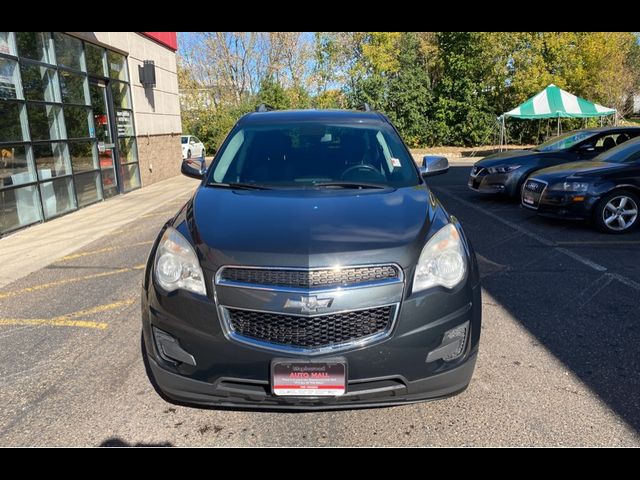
[35, 247]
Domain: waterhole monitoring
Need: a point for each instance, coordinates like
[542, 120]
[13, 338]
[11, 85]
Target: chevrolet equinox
[313, 268]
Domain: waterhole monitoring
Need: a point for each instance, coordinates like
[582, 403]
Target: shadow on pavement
[587, 318]
[117, 442]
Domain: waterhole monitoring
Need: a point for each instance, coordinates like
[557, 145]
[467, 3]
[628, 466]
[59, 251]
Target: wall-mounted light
[147, 72]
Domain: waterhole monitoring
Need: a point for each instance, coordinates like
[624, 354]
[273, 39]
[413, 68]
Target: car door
[198, 147]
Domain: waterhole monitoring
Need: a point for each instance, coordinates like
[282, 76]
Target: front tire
[617, 212]
[188, 153]
[204, 154]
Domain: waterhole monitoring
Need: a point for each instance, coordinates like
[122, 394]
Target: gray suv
[313, 268]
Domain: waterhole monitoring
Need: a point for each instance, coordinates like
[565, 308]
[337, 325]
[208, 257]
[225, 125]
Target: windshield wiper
[238, 186]
[349, 185]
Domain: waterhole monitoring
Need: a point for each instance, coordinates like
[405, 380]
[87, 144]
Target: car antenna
[263, 107]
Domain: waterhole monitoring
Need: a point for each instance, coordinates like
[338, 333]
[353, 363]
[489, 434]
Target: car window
[305, 154]
[606, 142]
[195, 139]
[184, 140]
[563, 142]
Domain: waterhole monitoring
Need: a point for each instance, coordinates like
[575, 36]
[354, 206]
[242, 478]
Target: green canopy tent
[553, 102]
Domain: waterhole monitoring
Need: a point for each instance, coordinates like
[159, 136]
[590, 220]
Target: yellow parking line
[68, 320]
[101, 250]
[66, 281]
[52, 323]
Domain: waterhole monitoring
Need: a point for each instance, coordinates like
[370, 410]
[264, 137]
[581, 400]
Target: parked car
[313, 268]
[505, 172]
[605, 190]
[192, 147]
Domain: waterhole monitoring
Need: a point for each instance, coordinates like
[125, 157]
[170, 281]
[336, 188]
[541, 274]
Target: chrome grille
[534, 186]
[310, 278]
[310, 332]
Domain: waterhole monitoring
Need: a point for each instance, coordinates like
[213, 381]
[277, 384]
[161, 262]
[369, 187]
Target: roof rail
[365, 107]
[263, 107]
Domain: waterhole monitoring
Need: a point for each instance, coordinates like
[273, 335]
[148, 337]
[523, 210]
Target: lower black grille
[310, 278]
[310, 332]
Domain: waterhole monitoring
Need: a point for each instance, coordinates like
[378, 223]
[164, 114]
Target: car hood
[582, 169]
[507, 158]
[311, 228]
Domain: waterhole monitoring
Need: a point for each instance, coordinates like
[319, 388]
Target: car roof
[310, 115]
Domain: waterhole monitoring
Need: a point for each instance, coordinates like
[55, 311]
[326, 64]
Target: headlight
[504, 169]
[176, 264]
[570, 187]
[442, 261]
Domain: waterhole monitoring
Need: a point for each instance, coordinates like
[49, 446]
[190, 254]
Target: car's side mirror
[433, 165]
[193, 167]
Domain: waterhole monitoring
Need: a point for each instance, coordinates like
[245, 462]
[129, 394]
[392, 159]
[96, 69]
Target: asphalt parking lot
[559, 361]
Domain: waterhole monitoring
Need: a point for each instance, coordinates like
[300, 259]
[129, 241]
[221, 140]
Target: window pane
[9, 79]
[11, 122]
[19, 207]
[6, 43]
[39, 83]
[69, 51]
[125, 123]
[95, 60]
[130, 176]
[121, 97]
[88, 188]
[74, 88]
[83, 156]
[52, 160]
[57, 197]
[15, 167]
[44, 122]
[128, 151]
[117, 66]
[77, 121]
[35, 45]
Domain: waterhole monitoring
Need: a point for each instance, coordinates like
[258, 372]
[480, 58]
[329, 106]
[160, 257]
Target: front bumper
[566, 205]
[391, 371]
[496, 183]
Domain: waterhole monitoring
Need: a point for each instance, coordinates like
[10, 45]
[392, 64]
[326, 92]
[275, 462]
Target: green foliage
[438, 88]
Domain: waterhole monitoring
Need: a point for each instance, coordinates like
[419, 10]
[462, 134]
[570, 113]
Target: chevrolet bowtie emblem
[309, 304]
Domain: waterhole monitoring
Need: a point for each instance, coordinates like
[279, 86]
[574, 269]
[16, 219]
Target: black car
[505, 172]
[313, 268]
[605, 190]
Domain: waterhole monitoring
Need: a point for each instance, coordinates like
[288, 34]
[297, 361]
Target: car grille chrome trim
[535, 186]
[308, 279]
[335, 344]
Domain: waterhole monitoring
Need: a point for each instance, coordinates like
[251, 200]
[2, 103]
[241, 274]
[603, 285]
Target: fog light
[452, 345]
[169, 348]
[579, 198]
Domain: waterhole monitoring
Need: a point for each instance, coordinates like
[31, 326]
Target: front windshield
[309, 154]
[563, 142]
[624, 153]
[184, 140]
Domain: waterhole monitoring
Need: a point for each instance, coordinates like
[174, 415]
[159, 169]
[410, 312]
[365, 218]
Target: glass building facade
[67, 133]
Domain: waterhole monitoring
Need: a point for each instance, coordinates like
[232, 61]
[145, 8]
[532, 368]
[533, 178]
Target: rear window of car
[184, 140]
[308, 153]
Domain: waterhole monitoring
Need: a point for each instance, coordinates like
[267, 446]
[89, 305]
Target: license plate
[303, 379]
[528, 198]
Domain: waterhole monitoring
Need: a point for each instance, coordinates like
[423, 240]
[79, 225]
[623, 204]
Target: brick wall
[160, 157]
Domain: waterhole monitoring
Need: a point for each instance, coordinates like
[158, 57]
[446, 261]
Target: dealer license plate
[528, 198]
[316, 379]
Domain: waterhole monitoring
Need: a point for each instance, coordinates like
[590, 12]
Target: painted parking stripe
[66, 281]
[71, 319]
[102, 250]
